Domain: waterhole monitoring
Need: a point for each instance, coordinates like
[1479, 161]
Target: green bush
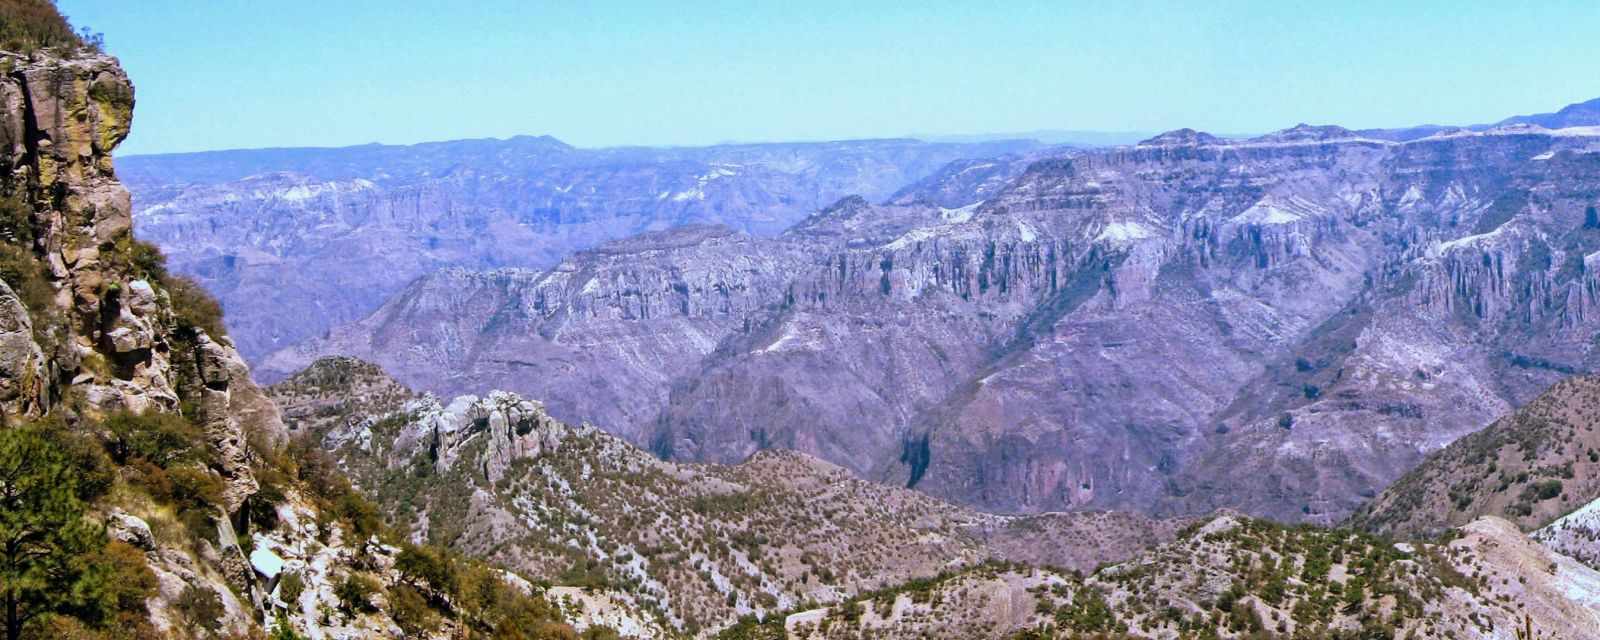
[25, 274]
[410, 611]
[193, 308]
[290, 587]
[137, 258]
[261, 508]
[16, 221]
[427, 568]
[162, 439]
[201, 607]
[282, 630]
[355, 593]
[359, 512]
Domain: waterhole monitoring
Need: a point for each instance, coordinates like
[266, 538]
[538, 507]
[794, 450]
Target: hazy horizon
[220, 76]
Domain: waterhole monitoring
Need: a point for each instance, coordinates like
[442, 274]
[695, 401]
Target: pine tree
[44, 540]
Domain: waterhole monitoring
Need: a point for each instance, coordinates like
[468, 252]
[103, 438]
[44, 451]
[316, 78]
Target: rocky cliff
[149, 485]
[1283, 324]
[92, 326]
[295, 241]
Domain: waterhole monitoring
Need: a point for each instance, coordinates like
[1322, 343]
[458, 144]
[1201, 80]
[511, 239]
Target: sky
[224, 74]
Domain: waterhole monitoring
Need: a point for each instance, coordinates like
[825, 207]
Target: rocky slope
[1283, 324]
[695, 545]
[1238, 578]
[1576, 534]
[786, 544]
[1530, 467]
[295, 241]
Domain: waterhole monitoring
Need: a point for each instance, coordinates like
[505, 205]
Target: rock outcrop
[113, 339]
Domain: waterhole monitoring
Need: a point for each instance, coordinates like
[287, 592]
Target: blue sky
[247, 73]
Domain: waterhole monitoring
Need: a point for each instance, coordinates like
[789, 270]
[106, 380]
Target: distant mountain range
[296, 241]
[1283, 324]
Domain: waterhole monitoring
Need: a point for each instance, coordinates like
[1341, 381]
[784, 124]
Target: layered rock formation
[88, 321]
[1282, 325]
[295, 241]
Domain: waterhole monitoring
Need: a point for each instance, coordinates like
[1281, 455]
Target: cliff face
[1282, 325]
[297, 241]
[109, 339]
[171, 454]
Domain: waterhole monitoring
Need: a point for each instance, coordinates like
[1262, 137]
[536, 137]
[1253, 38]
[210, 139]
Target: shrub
[427, 567]
[28, 25]
[125, 579]
[162, 439]
[261, 508]
[193, 308]
[16, 221]
[138, 258]
[358, 512]
[290, 587]
[355, 593]
[601, 632]
[410, 611]
[25, 274]
[195, 492]
[195, 487]
[487, 602]
[1548, 489]
[201, 607]
[282, 630]
[96, 473]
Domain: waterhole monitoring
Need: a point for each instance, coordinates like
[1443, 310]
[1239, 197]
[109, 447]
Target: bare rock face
[503, 426]
[130, 530]
[1283, 325]
[111, 337]
[22, 373]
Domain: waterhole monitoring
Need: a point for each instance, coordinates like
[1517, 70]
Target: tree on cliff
[50, 556]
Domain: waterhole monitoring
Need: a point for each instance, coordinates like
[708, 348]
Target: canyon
[1282, 324]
